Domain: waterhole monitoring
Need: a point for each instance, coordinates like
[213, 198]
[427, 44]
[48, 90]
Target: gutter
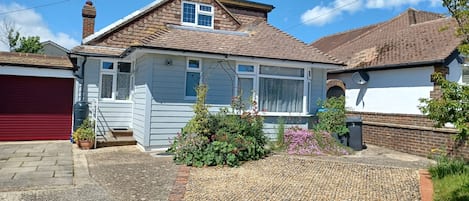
[390, 66]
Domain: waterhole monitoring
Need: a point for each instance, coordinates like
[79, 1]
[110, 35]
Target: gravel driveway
[128, 174]
[371, 175]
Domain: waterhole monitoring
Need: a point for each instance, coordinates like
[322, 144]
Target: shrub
[281, 132]
[304, 142]
[332, 119]
[219, 139]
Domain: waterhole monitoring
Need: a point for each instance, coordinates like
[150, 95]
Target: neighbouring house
[140, 72]
[53, 49]
[37, 97]
[389, 68]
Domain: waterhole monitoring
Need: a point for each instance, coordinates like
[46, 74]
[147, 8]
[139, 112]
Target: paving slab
[33, 165]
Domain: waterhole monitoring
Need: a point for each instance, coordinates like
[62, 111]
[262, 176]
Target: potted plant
[84, 136]
[331, 116]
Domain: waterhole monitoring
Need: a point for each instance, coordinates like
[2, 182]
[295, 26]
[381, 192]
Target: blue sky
[307, 20]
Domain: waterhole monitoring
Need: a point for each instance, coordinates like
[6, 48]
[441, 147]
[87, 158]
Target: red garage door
[35, 108]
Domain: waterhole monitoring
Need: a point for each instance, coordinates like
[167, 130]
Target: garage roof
[34, 60]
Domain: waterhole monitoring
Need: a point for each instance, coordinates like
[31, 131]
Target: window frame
[192, 70]
[465, 65]
[197, 12]
[114, 72]
[256, 75]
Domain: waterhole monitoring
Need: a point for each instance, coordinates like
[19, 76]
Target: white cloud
[321, 15]
[30, 23]
[318, 16]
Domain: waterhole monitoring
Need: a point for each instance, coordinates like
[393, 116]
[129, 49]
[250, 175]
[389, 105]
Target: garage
[37, 97]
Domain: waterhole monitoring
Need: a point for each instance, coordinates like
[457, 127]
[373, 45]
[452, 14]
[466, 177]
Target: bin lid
[353, 119]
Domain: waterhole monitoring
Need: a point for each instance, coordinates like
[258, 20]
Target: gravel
[284, 177]
[127, 174]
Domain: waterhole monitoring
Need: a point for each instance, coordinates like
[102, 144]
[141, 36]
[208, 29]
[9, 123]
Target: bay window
[279, 89]
[115, 80]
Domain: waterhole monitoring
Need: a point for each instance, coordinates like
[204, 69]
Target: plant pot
[85, 144]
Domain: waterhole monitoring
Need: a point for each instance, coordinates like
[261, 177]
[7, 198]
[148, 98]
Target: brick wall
[412, 134]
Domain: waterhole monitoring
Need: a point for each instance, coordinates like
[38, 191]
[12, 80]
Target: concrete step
[118, 132]
[110, 140]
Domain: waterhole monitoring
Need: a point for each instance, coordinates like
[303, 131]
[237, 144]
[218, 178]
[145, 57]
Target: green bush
[219, 139]
[447, 166]
[332, 120]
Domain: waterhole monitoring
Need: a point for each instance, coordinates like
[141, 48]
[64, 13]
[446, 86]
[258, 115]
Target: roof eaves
[132, 48]
[390, 66]
[251, 4]
[36, 65]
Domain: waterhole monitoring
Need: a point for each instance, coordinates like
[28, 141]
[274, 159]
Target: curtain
[280, 95]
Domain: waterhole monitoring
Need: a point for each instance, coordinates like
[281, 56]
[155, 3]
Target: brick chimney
[88, 13]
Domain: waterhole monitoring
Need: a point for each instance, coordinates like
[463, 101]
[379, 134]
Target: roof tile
[35, 60]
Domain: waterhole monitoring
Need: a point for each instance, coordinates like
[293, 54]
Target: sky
[307, 20]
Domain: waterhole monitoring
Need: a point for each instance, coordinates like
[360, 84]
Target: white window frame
[114, 73]
[256, 75]
[197, 12]
[248, 75]
[462, 73]
[192, 70]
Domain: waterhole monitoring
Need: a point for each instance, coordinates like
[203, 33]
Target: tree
[459, 10]
[18, 43]
[451, 107]
[29, 44]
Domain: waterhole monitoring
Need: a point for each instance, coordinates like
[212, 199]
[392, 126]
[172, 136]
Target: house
[51, 48]
[141, 71]
[37, 97]
[389, 68]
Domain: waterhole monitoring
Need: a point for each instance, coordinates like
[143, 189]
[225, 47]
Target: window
[115, 82]
[465, 74]
[195, 14]
[193, 75]
[280, 89]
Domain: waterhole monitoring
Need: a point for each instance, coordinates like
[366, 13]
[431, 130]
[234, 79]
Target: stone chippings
[283, 177]
[126, 174]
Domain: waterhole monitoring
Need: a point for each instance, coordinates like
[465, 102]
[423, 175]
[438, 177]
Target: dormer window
[197, 14]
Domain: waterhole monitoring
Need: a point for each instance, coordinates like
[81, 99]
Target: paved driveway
[125, 173]
[35, 165]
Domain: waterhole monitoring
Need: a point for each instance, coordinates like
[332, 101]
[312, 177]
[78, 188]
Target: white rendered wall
[389, 91]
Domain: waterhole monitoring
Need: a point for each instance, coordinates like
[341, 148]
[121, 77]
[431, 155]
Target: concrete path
[35, 165]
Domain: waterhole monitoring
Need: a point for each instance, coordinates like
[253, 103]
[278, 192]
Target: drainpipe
[82, 93]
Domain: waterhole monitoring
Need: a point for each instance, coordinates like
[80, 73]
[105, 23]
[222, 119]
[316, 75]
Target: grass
[452, 188]
[450, 179]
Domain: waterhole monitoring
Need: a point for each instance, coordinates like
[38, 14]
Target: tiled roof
[262, 40]
[412, 37]
[98, 50]
[34, 60]
[145, 28]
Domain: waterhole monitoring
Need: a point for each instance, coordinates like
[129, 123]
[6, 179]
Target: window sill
[115, 101]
